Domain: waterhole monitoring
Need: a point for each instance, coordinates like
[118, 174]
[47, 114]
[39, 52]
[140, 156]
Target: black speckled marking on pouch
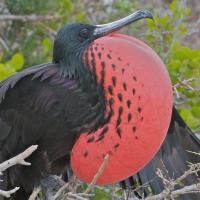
[134, 78]
[133, 91]
[129, 117]
[128, 103]
[120, 97]
[124, 86]
[139, 109]
[134, 129]
[110, 89]
[85, 154]
[116, 146]
[114, 80]
[99, 55]
[90, 139]
[109, 56]
[119, 132]
[113, 66]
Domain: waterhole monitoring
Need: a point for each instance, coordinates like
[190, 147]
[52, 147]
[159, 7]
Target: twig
[194, 168]
[3, 43]
[98, 174]
[60, 191]
[175, 33]
[183, 83]
[171, 194]
[35, 193]
[28, 18]
[8, 193]
[19, 159]
[78, 196]
[170, 184]
[50, 30]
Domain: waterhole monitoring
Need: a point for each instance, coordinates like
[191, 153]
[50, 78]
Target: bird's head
[73, 39]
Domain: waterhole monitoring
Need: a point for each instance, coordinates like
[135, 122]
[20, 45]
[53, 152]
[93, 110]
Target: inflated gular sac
[138, 96]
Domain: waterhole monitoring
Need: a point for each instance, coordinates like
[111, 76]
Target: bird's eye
[84, 33]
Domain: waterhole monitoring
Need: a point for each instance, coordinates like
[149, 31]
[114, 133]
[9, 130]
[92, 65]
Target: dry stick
[194, 168]
[19, 159]
[75, 196]
[60, 191]
[98, 174]
[83, 196]
[28, 18]
[8, 193]
[183, 83]
[3, 43]
[49, 29]
[78, 196]
[169, 194]
[35, 193]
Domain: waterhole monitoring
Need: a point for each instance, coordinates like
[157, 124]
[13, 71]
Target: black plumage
[49, 105]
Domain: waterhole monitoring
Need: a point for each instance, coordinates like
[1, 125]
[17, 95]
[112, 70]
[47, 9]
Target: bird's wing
[36, 103]
[6, 86]
[11, 81]
[173, 159]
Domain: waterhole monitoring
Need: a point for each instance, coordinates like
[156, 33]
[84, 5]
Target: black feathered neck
[69, 46]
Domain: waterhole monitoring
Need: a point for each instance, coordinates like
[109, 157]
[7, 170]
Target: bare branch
[63, 194]
[49, 29]
[172, 194]
[98, 174]
[28, 18]
[185, 84]
[19, 159]
[8, 193]
[169, 192]
[3, 43]
[78, 196]
[35, 193]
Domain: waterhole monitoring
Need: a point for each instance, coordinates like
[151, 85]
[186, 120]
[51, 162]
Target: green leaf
[163, 21]
[196, 111]
[46, 44]
[16, 62]
[189, 118]
[173, 6]
[101, 195]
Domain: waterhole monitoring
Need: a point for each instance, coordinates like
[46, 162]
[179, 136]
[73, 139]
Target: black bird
[52, 104]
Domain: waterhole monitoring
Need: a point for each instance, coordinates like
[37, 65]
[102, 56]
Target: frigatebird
[52, 104]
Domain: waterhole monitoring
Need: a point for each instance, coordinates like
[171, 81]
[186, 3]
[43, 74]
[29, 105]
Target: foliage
[11, 66]
[31, 43]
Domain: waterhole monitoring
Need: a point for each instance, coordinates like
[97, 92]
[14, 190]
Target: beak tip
[101, 30]
[146, 14]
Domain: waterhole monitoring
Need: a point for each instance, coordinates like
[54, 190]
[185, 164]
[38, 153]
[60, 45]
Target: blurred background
[28, 28]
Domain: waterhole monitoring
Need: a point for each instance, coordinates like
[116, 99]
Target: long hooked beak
[104, 29]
